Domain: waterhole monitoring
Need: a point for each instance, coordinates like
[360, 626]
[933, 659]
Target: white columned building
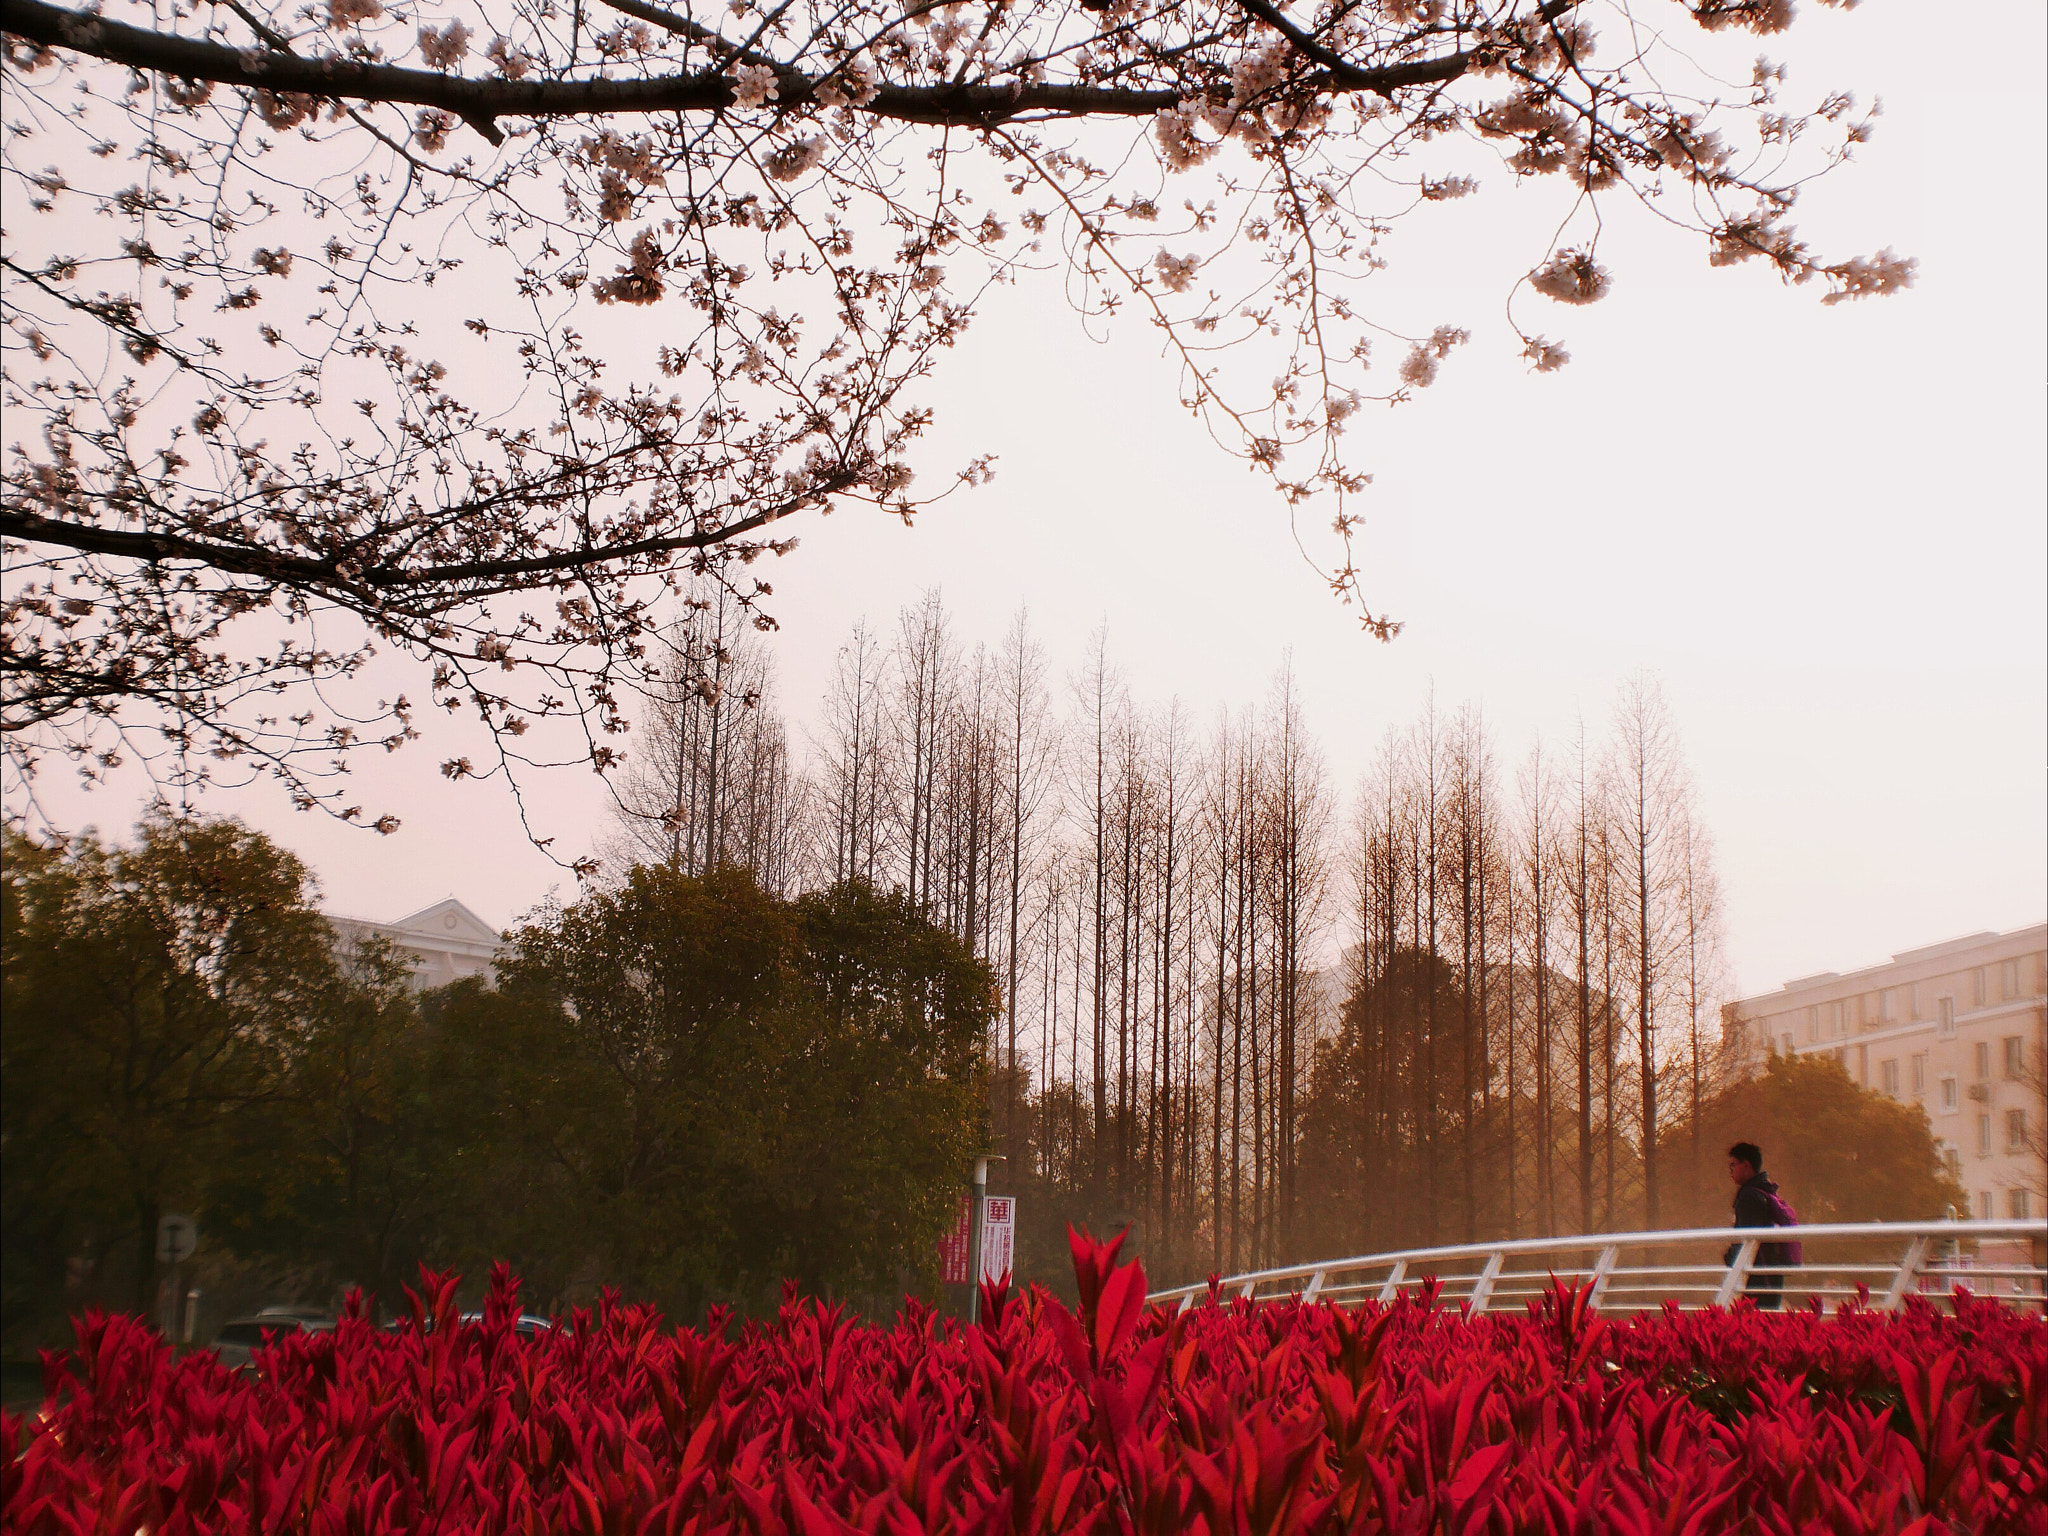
[446, 941]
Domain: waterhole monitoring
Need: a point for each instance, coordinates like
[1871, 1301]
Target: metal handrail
[1619, 1288]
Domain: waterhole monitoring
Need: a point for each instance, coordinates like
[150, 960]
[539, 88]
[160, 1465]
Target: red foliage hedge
[1275, 1419]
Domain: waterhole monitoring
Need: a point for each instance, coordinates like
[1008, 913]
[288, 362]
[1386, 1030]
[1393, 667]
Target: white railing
[1882, 1261]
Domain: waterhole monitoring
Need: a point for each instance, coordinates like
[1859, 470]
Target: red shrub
[1228, 1419]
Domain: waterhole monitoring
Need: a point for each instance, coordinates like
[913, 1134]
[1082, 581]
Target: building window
[1945, 1019]
[2009, 980]
[2015, 1056]
[2015, 1130]
[1913, 1001]
[1813, 1023]
[1952, 1160]
[2019, 1205]
[1920, 1072]
[1948, 1093]
[1979, 989]
[1787, 1041]
[1983, 1058]
[1985, 1209]
[1884, 1005]
[1983, 1135]
[1890, 1071]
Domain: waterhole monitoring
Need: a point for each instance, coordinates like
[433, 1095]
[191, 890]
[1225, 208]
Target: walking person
[1758, 1204]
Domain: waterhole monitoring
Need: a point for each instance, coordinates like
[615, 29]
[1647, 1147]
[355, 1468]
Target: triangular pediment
[448, 919]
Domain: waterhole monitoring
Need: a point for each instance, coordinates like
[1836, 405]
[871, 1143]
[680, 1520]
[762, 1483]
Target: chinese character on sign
[953, 1245]
[998, 1236]
[176, 1238]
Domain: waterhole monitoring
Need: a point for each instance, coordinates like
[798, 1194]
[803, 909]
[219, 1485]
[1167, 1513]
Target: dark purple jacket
[1754, 1208]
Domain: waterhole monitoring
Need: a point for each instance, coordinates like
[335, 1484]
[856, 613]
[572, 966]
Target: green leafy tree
[1380, 1108]
[886, 1087]
[691, 1089]
[1839, 1151]
[154, 997]
[339, 1175]
[685, 1086]
[609, 1091]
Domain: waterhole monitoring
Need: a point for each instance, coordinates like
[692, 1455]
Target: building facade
[446, 941]
[1959, 1028]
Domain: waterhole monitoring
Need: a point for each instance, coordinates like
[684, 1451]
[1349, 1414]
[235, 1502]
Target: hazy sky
[1823, 528]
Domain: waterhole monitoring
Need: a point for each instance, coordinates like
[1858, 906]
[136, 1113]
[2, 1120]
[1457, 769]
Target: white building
[1958, 1028]
[447, 941]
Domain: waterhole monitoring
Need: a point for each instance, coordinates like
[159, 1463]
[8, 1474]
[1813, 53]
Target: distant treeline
[1245, 1019]
[1164, 970]
[681, 1086]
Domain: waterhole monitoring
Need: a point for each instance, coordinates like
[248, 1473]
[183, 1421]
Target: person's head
[1745, 1161]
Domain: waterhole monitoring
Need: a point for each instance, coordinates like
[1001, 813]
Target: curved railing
[1882, 1261]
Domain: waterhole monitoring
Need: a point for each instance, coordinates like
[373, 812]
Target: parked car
[238, 1340]
[526, 1325]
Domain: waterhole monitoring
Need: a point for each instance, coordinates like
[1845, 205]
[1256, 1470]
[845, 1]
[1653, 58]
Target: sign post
[981, 1244]
[176, 1239]
[974, 1229]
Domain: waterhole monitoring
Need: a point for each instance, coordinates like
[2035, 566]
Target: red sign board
[998, 1241]
[953, 1246]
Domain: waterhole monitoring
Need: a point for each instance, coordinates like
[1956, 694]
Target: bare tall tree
[1539, 879]
[1582, 896]
[1467, 751]
[1299, 816]
[857, 764]
[1649, 828]
[1700, 900]
[1099, 697]
[925, 661]
[711, 782]
[1431, 766]
[1030, 745]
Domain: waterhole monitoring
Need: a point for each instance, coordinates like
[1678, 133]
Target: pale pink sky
[1824, 529]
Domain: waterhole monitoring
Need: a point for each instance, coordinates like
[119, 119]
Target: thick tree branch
[683, 26]
[1340, 70]
[191, 58]
[481, 101]
[298, 570]
[1352, 77]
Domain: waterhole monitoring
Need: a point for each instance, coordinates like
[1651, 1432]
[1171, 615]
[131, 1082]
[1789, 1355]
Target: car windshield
[251, 1333]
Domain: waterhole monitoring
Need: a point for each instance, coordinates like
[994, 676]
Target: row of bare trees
[1177, 992]
[1224, 1019]
[1532, 971]
[714, 783]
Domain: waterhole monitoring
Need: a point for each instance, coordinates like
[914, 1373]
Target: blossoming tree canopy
[473, 331]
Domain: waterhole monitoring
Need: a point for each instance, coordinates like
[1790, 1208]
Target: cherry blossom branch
[481, 102]
[249, 560]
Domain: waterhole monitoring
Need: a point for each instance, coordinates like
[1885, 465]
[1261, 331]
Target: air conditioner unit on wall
[1980, 1091]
